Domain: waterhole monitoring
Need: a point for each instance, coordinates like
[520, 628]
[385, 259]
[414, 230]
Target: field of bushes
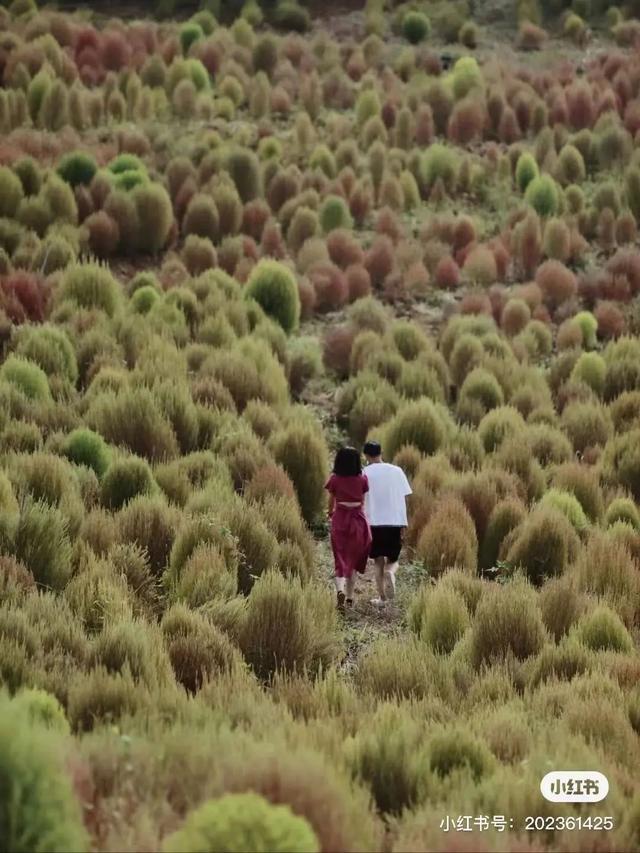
[232, 239]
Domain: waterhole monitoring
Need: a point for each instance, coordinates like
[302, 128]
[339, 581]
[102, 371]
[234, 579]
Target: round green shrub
[568, 505]
[50, 348]
[440, 162]
[466, 76]
[38, 809]
[143, 300]
[42, 708]
[416, 27]
[334, 213]
[603, 629]
[274, 288]
[90, 285]
[85, 447]
[439, 617]
[29, 379]
[237, 823]
[190, 33]
[77, 168]
[591, 369]
[302, 452]
[42, 544]
[11, 193]
[418, 423]
[526, 171]
[456, 749]
[623, 509]
[543, 196]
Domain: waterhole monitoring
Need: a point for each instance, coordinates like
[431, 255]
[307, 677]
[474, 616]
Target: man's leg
[379, 564]
[390, 578]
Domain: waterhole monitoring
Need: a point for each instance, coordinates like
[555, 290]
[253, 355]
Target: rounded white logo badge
[574, 786]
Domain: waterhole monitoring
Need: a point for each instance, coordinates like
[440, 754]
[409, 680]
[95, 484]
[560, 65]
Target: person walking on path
[386, 510]
[350, 533]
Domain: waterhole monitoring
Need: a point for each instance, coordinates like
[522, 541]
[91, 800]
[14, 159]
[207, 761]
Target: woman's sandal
[350, 603]
[341, 599]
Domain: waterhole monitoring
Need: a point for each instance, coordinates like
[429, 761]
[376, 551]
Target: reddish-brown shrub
[360, 203]
[103, 234]
[379, 259]
[447, 273]
[528, 243]
[466, 121]
[25, 296]
[337, 346]
[626, 262]
[580, 106]
[509, 130]
[530, 36]
[272, 242]
[611, 321]
[115, 51]
[330, 286]
[358, 281]
[515, 316]
[424, 132]
[254, 217]
[464, 233]
[387, 223]
[556, 282]
[307, 298]
[476, 302]
[344, 249]
[626, 230]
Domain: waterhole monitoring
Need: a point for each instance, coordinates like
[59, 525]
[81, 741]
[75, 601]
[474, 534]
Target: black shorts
[386, 542]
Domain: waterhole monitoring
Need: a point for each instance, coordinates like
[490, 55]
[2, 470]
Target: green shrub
[603, 629]
[568, 505]
[99, 697]
[155, 215]
[498, 424]
[42, 543]
[439, 616]
[621, 461]
[85, 447]
[448, 540]
[507, 622]
[440, 163]
[274, 288]
[41, 708]
[416, 27]
[623, 509]
[239, 822]
[124, 480]
[244, 169]
[77, 168]
[334, 213]
[289, 627]
[418, 423]
[386, 756]
[190, 32]
[526, 171]
[11, 193]
[543, 545]
[290, 15]
[505, 516]
[583, 482]
[399, 668]
[587, 425]
[29, 379]
[543, 196]
[39, 810]
[90, 285]
[590, 368]
[50, 348]
[303, 454]
[455, 749]
[480, 388]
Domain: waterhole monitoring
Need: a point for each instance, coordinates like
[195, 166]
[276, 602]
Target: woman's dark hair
[347, 463]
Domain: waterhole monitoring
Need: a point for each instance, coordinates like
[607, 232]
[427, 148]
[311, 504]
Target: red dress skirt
[350, 540]
[350, 531]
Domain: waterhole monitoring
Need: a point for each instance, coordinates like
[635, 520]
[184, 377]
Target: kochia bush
[274, 288]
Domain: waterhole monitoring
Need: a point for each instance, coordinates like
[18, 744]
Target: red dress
[350, 532]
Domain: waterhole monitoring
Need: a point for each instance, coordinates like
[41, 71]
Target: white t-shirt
[384, 503]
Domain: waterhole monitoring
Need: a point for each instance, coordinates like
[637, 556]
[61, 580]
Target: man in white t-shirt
[386, 511]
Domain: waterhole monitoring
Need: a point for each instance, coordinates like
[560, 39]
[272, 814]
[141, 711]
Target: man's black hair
[347, 462]
[372, 449]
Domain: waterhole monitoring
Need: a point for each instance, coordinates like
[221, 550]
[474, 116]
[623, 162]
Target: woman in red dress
[350, 532]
